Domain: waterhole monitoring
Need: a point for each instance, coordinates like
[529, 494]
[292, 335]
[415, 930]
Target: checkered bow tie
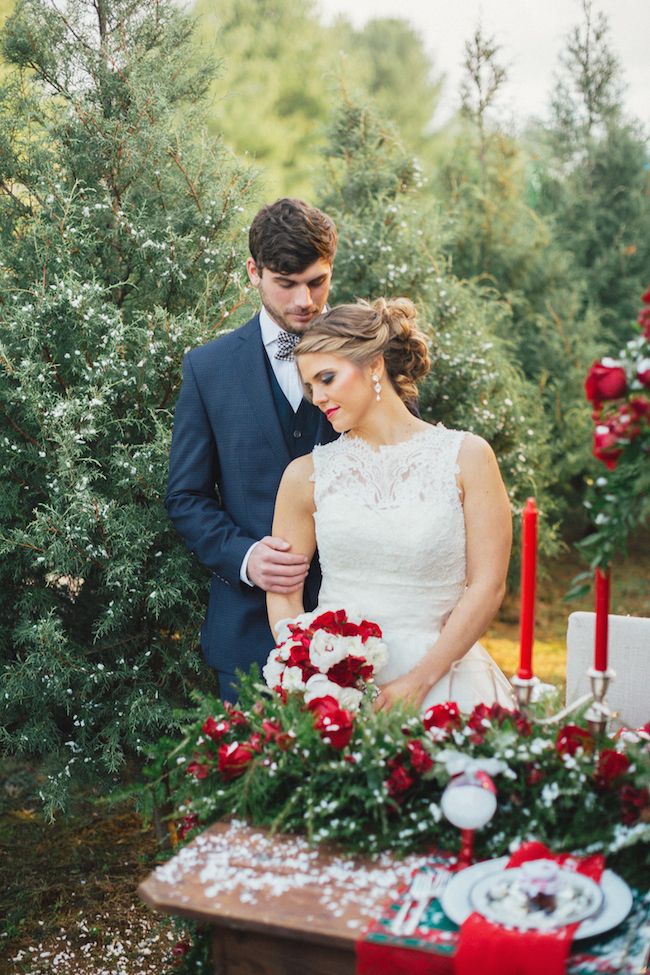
[287, 341]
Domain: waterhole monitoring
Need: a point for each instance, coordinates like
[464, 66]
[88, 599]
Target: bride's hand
[408, 689]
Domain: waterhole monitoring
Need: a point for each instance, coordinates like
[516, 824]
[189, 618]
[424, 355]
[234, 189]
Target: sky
[531, 34]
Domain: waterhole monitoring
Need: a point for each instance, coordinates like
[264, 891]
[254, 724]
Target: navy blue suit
[229, 450]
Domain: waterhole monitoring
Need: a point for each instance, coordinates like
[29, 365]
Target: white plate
[616, 906]
[589, 892]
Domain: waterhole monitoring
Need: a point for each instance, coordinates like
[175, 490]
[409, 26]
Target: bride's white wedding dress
[391, 541]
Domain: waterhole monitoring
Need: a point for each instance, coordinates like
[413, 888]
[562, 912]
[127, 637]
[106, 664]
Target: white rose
[282, 626]
[292, 679]
[321, 686]
[326, 649]
[350, 698]
[273, 670]
[375, 652]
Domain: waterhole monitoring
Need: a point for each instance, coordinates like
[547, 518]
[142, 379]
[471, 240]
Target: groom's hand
[273, 568]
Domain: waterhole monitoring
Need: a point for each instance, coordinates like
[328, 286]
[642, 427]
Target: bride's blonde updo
[364, 331]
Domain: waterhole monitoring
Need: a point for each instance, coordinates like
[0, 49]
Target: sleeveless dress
[391, 541]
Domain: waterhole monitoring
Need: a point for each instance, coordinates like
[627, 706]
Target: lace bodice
[391, 533]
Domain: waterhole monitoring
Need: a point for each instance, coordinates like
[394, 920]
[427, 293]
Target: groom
[240, 419]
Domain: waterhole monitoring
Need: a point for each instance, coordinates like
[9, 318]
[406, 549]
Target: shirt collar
[269, 329]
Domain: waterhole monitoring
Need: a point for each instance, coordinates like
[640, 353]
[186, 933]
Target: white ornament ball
[469, 801]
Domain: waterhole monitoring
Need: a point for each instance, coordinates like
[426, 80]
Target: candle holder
[523, 688]
[599, 713]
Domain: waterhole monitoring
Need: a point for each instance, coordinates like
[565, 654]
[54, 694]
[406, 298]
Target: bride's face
[338, 387]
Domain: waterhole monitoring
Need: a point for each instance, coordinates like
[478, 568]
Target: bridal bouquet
[326, 654]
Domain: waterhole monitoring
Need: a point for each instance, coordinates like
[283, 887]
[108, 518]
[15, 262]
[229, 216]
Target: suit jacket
[227, 458]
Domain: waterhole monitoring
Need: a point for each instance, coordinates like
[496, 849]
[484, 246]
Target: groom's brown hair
[289, 235]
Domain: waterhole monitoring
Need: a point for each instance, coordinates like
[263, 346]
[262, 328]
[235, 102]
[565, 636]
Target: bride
[412, 521]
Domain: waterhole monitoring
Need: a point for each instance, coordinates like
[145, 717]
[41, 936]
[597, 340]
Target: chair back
[628, 655]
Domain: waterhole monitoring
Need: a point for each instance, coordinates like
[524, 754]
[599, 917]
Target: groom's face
[292, 300]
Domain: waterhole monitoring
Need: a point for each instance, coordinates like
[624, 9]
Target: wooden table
[274, 905]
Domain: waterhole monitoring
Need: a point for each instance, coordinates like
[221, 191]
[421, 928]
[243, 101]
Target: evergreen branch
[57, 374]
[26, 210]
[20, 430]
[84, 555]
[174, 157]
[226, 314]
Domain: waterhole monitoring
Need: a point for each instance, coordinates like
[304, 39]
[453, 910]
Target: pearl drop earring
[377, 386]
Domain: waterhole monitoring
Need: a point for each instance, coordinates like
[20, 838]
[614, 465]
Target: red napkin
[494, 950]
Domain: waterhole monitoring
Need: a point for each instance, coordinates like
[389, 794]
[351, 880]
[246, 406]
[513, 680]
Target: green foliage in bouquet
[376, 780]
[392, 241]
[120, 248]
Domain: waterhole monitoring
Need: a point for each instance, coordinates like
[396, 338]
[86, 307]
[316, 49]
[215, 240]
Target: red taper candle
[602, 619]
[528, 582]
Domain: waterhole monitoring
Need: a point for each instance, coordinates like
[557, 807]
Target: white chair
[629, 656]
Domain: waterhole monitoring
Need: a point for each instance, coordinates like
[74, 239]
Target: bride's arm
[293, 520]
[488, 529]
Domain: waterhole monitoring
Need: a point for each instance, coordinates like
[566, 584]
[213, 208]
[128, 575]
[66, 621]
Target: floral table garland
[377, 783]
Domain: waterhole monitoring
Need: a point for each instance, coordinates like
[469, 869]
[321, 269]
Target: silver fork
[419, 892]
[437, 881]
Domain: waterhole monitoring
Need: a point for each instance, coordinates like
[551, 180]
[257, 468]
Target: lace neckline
[384, 447]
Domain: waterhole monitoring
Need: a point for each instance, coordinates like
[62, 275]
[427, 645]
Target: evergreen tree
[392, 241]
[121, 247]
[594, 179]
[498, 239]
[281, 70]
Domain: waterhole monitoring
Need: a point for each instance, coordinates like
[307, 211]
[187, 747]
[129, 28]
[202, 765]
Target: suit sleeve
[192, 500]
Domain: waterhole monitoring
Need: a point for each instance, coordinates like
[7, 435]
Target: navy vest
[299, 428]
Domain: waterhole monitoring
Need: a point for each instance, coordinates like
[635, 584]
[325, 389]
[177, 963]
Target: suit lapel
[256, 386]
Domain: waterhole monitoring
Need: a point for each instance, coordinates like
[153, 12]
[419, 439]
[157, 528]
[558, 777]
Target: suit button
[297, 434]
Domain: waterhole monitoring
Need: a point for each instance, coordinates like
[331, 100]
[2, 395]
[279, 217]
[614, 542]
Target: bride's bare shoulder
[297, 480]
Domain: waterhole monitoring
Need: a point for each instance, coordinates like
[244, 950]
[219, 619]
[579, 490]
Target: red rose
[235, 758]
[445, 716]
[633, 802]
[646, 297]
[330, 620]
[186, 825]
[570, 738]
[200, 770]
[348, 671]
[611, 766]
[299, 657]
[367, 629]
[640, 406]
[480, 714]
[399, 780]
[335, 726]
[534, 775]
[420, 758]
[522, 724]
[604, 383]
[606, 446]
[323, 705]
[215, 729]
[273, 732]
[235, 716]
[643, 372]
[180, 949]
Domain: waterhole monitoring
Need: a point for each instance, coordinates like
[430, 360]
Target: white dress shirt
[290, 383]
[286, 373]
